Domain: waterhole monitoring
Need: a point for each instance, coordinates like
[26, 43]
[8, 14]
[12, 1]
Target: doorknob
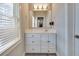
[32, 41]
[48, 41]
[77, 36]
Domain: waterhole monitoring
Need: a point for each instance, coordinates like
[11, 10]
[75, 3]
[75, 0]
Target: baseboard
[40, 54]
[23, 54]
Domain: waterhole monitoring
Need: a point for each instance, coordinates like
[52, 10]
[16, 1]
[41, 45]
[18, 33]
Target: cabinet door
[44, 43]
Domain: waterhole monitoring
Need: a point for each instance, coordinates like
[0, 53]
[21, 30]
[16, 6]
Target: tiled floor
[40, 54]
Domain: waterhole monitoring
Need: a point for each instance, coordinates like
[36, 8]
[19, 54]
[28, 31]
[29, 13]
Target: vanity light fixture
[40, 6]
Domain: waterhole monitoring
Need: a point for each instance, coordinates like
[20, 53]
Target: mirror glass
[39, 19]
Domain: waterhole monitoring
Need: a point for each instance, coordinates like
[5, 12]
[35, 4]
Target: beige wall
[25, 15]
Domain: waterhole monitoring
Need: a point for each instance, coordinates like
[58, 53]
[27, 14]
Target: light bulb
[44, 7]
[35, 6]
[40, 6]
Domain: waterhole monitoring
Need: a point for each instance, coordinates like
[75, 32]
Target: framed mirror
[40, 16]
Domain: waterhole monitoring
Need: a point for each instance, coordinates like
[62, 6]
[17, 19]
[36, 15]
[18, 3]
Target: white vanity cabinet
[40, 42]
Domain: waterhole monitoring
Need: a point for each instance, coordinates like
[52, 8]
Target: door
[77, 29]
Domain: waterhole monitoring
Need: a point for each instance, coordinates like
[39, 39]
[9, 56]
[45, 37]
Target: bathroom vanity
[40, 41]
[40, 37]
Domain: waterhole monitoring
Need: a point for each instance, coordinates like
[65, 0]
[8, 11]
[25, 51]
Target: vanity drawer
[33, 49]
[33, 46]
[33, 41]
[32, 35]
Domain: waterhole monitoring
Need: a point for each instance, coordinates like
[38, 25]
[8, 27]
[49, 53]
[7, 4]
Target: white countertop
[40, 31]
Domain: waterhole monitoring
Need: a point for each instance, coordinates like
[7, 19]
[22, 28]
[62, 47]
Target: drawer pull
[32, 41]
[49, 41]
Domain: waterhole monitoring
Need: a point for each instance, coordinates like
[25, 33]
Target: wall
[60, 17]
[25, 15]
[63, 15]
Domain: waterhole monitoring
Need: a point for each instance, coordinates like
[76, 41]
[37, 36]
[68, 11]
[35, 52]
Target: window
[8, 27]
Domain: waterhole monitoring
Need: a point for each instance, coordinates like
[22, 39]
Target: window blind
[8, 25]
